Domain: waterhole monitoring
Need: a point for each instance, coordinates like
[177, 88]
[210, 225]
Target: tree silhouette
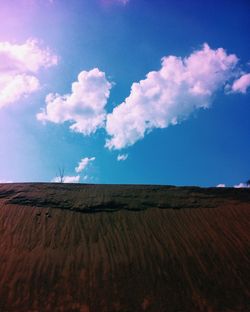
[61, 171]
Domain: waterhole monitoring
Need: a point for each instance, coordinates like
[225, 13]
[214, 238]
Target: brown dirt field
[128, 248]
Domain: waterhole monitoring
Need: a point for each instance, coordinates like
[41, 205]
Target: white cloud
[241, 185]
[123, 1]
[242, 84]
[84, 107]
[19, 65]
[221, 185]
[122, 157]
[27, 57]
[82, 165]
[67, 179]
[12, 88]
[168, 96]
[110, 2]
[84, 162]
[6, 181]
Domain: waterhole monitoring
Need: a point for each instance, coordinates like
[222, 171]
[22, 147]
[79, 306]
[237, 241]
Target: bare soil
[128, 248]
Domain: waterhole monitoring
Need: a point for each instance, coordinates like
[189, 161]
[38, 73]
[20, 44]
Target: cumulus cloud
[242, 84]
[122, 157]
[84, 162]
[168, 96]
[84, 107]
[67, 179]
[221, 185]
[19, 66]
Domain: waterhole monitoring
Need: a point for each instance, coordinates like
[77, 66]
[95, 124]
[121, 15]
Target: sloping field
[127, 248]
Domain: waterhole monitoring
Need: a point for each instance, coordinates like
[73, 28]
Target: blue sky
[181, 120]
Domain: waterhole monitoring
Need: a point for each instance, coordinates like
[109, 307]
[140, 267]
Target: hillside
[128, 248]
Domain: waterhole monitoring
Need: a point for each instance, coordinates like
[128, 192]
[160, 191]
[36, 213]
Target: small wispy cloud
[84, 162]
[122, 1]
[242, 84]
[122, 157]
[110, 2]
[80, 168]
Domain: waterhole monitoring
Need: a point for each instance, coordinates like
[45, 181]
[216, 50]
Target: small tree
[248, 183]
[61, 170]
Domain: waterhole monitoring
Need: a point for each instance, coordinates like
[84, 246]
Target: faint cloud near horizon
[6, 181]
[221, 185]
[67, 179]
[35, 3]
[110, 2]
[81, 167]
[241, 185]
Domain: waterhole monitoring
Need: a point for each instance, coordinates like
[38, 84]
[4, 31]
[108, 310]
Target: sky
[125, 91]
